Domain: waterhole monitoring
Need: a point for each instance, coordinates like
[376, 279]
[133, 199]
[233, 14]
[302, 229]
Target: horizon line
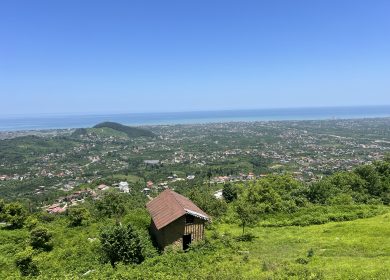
[34, 115]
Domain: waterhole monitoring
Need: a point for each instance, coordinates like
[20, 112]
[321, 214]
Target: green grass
[342, 250]
[320, 214]
[128, 178]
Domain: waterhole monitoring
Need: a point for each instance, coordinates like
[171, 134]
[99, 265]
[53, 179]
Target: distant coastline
[43, 122]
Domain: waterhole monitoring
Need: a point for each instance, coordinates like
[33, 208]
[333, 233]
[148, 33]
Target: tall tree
[229, 193]
[247, 214]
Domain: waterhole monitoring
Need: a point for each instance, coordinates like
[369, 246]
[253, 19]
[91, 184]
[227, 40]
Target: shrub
[112, 204]
[77, 215]
[14, 215]
[121, 244]
[46, 217]
[31, 222]
[229, 193]
[24, 262]
[40, 239]
[310, 253]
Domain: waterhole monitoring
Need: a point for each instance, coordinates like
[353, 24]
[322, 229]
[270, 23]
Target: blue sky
[81, 56]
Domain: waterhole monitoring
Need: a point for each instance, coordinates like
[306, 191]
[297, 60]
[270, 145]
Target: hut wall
[196, 229]
[172, 234]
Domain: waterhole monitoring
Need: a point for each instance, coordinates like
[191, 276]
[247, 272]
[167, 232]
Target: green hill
[114, 129]
[130, 131]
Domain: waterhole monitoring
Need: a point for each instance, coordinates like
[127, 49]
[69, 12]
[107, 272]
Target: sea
[45, 122]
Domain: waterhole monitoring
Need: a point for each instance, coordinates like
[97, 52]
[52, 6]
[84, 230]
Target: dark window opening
[190, 219]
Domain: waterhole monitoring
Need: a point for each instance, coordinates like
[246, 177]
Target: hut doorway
[186, 241]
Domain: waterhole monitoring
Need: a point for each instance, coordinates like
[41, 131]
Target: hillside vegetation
[357, 249]
[111, 129]
[275, 227]
[128, 130]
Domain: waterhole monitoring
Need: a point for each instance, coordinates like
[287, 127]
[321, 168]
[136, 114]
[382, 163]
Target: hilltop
[115, 129]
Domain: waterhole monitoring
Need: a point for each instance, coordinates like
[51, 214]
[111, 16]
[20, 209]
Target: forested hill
[131, 132]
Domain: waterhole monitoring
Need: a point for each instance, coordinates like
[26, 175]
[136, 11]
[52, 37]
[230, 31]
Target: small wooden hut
[176, 220]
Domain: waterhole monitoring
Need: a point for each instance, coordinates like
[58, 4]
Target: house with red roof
[176, 220]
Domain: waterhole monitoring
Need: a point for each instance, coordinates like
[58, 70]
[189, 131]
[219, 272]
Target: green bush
[229, 193]
[24, 262]
[15, 215]
[77, 216]
[45, 217]
[40, 239]
[112, 204]
[31, 222]
[121, 244]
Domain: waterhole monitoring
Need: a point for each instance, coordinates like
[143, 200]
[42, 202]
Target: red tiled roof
[169, 206]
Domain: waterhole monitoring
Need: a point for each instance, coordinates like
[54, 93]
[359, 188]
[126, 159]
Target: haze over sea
[42, 122]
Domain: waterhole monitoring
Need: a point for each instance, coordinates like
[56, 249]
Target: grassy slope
[357, 249]
[342, 250]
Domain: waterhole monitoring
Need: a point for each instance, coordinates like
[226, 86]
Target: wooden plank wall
[196, 229]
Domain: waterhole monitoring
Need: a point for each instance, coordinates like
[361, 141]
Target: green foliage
[317, 214]
[341, 199]
[229, 193]
[121, 244]
[77, 216]
[247, 214]
[2, 210]
[366, 184]
[296, 221]
[22, 148]
[45, 217]
[247, 237]
[40, 238]
[373, 181]
[24, 262]
[207, 202]
[302, 261]
[343, 250]
[14, 214]
[112, 204]
[130, 131]
[276, 193]
[31, 222]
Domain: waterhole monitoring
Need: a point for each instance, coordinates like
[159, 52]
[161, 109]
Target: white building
[218, 194]
[124, 187]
